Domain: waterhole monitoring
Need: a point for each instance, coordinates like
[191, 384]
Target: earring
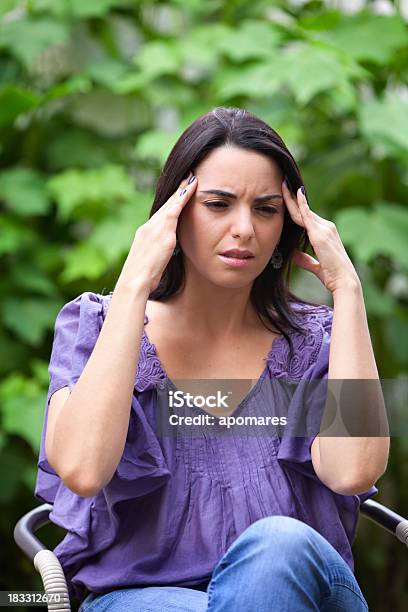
[177, 249]
[276, 260]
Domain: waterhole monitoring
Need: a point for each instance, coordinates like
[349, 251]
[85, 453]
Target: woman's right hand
[155, 241]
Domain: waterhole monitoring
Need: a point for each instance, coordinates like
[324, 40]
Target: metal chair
[52, 574]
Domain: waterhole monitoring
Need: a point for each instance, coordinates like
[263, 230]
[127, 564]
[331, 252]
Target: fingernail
[302, 189]
[183, 192]
[191, 179]
[285, 180]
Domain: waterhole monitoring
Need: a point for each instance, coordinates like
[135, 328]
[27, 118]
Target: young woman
[212, 522]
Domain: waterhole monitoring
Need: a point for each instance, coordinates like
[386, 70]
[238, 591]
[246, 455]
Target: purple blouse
[176, 503]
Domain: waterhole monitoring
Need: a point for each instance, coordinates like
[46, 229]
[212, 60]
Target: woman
[193, 521]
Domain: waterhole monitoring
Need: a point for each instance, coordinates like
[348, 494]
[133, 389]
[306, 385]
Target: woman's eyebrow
[227, 194]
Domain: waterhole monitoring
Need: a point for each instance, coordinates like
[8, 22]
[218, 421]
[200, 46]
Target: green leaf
[60, 8]
[28, 319]
[3, 440]
[107, 71]
[12, 465]
[72, 188]
[27, 38]
[84, 261]
[331, 171]
[7, 5]
[305, 69]
[380, 231]
[132, 82]
[79, 149]
[327, 20]
[23, 409]
[158, 58]
[29, 477]
[114, 235]
[368, 37]
[311, 70]
[393, 219]
[377, 302]
[78, 9]
[174, 95]
[344, 98]
[257, 81]
[251, 40]
[14, 101]
[28, 276]
[155, 144]
[39, 368]
[396, 333]
[110, 115]
[24, 191]
[74, 85]
[202, 45]
[384, 122]
[94, 8]
[14, 235]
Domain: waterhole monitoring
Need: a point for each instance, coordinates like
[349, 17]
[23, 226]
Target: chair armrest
[27, 526]
[45, 561]
[386, 518]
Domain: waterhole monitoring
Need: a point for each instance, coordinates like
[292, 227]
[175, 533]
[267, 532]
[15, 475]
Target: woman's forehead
[227, 167]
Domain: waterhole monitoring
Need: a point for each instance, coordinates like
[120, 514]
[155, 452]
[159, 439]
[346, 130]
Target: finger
[320, 230]
[306, 208]
[292, 205]
[177, 193]
[188, 188]
[183, 185]
[183, 196]
[307, 262]
[185, 182]
[311, 220]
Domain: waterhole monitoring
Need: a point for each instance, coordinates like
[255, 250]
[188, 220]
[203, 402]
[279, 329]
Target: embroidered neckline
[151, 374]
[151, 351]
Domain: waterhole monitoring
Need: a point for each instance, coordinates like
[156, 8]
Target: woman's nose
[242, 224]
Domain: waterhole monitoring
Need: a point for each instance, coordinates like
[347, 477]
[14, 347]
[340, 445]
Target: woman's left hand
[333, 267]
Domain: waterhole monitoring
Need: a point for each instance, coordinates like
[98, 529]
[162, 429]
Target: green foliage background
[93, 95]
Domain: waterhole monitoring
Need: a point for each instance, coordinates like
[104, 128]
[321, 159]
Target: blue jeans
[277, 564]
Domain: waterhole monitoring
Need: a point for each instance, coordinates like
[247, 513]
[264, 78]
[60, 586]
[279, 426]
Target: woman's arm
[91, 426]
[351, 465]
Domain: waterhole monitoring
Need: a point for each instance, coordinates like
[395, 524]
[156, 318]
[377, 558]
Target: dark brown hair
[270, 294]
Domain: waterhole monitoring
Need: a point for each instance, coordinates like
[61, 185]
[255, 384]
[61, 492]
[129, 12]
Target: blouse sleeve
[76, 330]
[307, 405]
[142, 467]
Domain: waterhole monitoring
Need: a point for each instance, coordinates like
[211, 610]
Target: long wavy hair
[270, 294]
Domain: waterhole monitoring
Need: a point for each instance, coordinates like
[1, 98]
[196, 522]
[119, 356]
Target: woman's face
[212, 223]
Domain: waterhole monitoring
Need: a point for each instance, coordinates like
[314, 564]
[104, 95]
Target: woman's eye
[215, 204]
[268, 209]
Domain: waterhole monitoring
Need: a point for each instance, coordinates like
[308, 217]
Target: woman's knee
[284, 532]
[271, 561]
[280, 541]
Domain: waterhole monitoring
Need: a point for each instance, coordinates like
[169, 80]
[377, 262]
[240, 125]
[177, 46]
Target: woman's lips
[236, 262]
